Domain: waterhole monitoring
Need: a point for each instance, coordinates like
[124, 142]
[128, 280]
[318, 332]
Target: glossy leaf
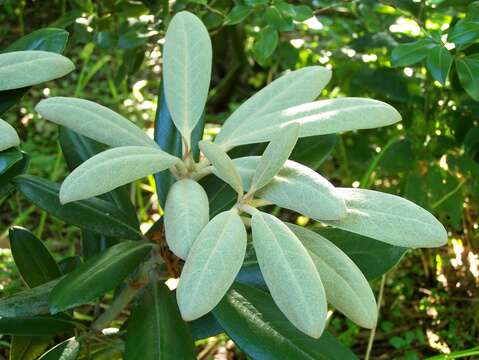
[186, 214]
[156, 330]
[93, 214]
[113, 168]
[464, 32]
[237, 14]
[411, 53]
[316, 118]
[205, 327]
[254, 322]
[8, 158]
[34, 326]
[467, 70]
[297, 188]
[212, 265]
[274, 156]
[346, 287]
[294, 88]
[28, 347]
[187, 59]
[290, 274]
[93, 243]
[223, 164]
[169, 139]
[25, 68]
[265, 43]
[374, 258]
[439, 61]
[14, 170]
[32, 258]
[389, 218]
[91, 119]
[8, 136]
[97, 275]
[66, 350]
[47, 39]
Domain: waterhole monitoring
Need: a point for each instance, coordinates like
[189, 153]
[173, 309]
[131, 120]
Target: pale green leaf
[290, 274]
[275, 155]
[294, 88]
[187, 58]
[296, 187]
[113, 168]
[8, 136]
[212, 265]
[316, 118]
[186, 214]
[25, 68]
[94, 121]
[346, 287]
[389, 218]
[223, 164]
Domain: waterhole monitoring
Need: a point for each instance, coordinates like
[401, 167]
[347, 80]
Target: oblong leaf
[34, 326]
[223, 164]
[317, 118]
[28, 347]
[466, 69]
[389, 218]
[411, 53]
[93, 214]
[94, 121]
[111, 169]
[464, 32]
[156, 330]
[295, 88]
[25, 68]
[186, 214]
[34, 262]
[376, 261]
[346, 287]
[254, 322]
[187, 59]
[290, 274]
[212, 265]
[8, 136]
[8, 158]
[98, 275]
[439, 61]
[275, 155]
[66, 350]
[28, 302]
[296, 187]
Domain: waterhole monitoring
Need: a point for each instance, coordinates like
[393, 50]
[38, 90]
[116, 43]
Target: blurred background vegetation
[420, 56]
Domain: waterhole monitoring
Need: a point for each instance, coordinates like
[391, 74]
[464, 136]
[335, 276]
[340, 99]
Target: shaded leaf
[66, 350]
[439, 61]
[411, 53]
[467, 71]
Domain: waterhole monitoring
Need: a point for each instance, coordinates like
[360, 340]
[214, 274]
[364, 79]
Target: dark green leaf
[303, 12]
[439, 61]
[276, 19]
[48, 39]
[254, 322]
[93, 214]
[411, 53]
[399, 157]
[16, 169]
[69, 264]
[34, 326]
[34, 262]
[93, 243]
[205, 327]
[156, 330]
[28, 302]
[8, 158]
[468, 73]
[28, 347]
[373, 257]
[312, 151]
[98, 275]
[78, 149]
[66, 350]
[465, 32]
[237, 14]
[286, 9]
[265, 44]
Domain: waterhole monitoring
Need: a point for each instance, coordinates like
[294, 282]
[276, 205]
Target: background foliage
[420, 56]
